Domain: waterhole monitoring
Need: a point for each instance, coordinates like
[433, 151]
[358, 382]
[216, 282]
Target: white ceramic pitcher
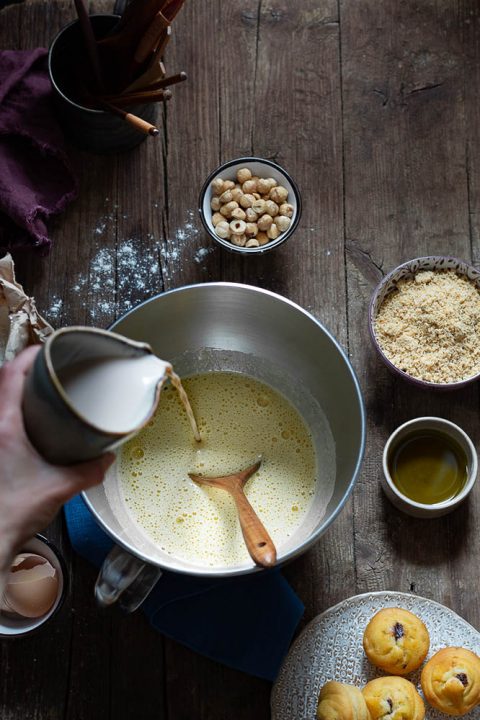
[88, 392]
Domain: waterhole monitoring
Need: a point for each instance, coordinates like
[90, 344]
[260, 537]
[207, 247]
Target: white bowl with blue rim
[264, 169]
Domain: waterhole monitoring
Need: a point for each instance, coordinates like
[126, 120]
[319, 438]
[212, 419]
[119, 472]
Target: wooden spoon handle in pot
[258, 541]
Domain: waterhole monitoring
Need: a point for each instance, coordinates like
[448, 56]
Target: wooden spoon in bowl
[258, 541]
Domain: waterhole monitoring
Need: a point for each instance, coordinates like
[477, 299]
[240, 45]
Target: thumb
[87, 474]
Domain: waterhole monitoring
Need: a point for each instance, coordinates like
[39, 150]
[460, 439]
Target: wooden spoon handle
[258, 541]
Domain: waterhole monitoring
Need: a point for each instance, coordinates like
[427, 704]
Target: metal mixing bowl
[226, 326]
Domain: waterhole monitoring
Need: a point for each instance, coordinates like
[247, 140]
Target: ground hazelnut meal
[430, 327]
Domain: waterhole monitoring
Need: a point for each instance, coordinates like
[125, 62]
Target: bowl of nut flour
[424, 321]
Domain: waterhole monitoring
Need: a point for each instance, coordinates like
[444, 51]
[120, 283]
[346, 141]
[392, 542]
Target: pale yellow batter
[239, 418]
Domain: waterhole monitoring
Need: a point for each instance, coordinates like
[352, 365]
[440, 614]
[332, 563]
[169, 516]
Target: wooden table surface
[374, 109]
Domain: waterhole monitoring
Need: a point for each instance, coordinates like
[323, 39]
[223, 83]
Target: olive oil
[428, 467]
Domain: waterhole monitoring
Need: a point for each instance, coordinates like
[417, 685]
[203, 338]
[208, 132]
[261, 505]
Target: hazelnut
[282, 222]
[286, 209]
[256, 207]
[278, 194]
[249, 186]
[271, 208]
[273, 232]
[240, 240]
[262, 238]
[216, 218]
[264, 222]
[228, 208]
[222, 229]
[226, 197]
[259, 206]
[217, 186]
[263, 186]
[238, 214]
[246, 201]
[238, 227]
[243, 175]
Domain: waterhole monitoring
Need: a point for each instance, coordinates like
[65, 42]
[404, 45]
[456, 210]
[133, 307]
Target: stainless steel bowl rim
[301, 548]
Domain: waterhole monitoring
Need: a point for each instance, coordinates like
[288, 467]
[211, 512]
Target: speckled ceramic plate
[330, 648]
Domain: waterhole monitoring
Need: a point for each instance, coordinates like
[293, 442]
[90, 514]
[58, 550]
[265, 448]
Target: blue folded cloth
[198, 611]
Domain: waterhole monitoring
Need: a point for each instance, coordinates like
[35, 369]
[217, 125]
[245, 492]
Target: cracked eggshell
[31, 588]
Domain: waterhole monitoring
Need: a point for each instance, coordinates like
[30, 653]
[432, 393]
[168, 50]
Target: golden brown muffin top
[396, 640]
[393, 698]
[339, 701]
[451, 680]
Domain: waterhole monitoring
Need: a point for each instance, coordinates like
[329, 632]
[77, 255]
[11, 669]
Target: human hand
[31, 489]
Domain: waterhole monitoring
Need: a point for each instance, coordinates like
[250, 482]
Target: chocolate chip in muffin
[463, 679]
[398, 631]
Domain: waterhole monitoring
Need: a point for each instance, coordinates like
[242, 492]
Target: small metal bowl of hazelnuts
[250, 205]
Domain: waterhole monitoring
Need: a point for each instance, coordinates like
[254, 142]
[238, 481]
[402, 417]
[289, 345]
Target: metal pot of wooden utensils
[108, 74]
[251, 333]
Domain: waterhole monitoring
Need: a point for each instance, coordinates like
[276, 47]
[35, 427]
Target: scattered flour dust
[201, 254]
[120, 277]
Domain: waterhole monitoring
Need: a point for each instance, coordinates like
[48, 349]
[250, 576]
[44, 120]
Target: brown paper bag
[20, 323]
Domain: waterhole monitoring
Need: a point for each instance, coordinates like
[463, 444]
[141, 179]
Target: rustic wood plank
[406, 194]
[191, 149]
[239, 115]
[94, 272]
[45, 695]
[265, 78]
[298, 70]
[466, 602]
[469, 20]
[297, 123]
[196, 122]
[90, 651]
[78, 286]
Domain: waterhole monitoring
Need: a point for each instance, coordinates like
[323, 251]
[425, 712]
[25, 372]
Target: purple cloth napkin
[36, 180]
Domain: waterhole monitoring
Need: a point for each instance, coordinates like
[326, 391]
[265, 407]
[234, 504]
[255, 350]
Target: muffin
[393, 698]
[451, 680]
[339, 701]
[396, 641]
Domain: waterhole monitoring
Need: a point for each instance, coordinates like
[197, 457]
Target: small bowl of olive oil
[429, 467]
